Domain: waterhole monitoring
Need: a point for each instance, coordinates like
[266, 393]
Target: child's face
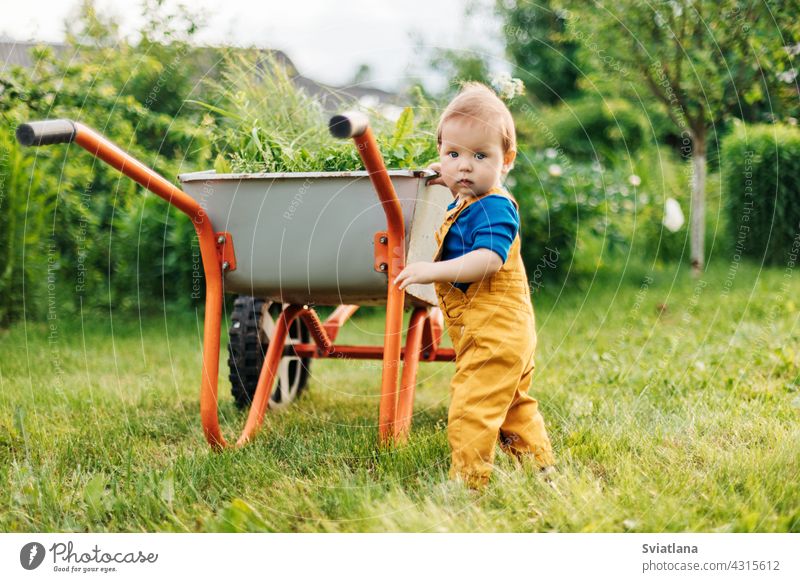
[472, 156]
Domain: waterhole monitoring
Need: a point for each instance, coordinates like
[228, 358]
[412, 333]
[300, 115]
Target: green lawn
[673, 405]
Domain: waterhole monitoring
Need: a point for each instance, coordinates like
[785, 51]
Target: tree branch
[656, 89]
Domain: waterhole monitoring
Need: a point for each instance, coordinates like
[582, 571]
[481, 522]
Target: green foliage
[665, 175]
[703, 60]
[266, 123]
[460, 66]
[546, 59]
[25, 205]
[760, 165]
[80, 235]
[662, 176]
[592, 216]
[588, 128]
[571, 213]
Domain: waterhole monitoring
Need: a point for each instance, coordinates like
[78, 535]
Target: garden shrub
[78, 234]
[571, 214]
[586, 128]
[760, 165]
[663, 174]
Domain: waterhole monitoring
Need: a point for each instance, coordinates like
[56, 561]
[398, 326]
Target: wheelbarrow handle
[348, 124]
[355, 125]
[50, 131]
[63, 131]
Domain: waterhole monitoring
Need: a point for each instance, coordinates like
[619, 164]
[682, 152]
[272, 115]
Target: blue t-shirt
[490, 223]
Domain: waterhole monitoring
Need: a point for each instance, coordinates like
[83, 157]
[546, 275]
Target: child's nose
[464, 164]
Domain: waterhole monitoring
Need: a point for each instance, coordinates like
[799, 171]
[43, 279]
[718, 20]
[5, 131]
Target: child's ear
[508, 160]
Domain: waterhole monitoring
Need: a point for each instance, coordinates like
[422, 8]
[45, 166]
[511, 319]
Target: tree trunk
[698, 219]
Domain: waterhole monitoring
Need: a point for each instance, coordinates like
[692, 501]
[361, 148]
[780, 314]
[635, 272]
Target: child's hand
[436, 167]
[420, 272]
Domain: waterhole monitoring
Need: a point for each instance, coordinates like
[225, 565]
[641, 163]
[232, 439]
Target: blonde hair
[476, 101]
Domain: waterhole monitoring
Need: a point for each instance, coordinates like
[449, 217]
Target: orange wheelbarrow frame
[217, 252]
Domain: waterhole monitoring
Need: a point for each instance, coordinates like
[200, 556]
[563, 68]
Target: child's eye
[452, 154]
[480, 156]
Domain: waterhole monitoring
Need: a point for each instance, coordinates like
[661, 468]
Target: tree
[546, 59]
[460, 65]
[703, 60]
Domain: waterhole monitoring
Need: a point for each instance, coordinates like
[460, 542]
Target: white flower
[788, 76]
[634, 180]
[507, 87]
[701, 367]
[792, 50]
[791, 120]
[673, 215]
[369, 102]
[550, 153]
[554, 170]
[500, 78]
[597, 167]
[630, 524]
[562, 14]
[391, 112]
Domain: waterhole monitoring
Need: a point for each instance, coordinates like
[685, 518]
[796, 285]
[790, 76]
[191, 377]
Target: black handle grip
[348, 124]
[38, 133]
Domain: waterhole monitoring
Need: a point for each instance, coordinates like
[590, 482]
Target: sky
[327, 40]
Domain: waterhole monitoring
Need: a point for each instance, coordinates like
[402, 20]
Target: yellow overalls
[493, 332]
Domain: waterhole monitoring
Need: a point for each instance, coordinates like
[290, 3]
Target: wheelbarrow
[286, 242]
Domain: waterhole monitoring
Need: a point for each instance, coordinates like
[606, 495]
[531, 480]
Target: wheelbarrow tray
[309, 237]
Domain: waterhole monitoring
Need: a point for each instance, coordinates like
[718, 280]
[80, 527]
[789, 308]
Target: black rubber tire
[247, 347]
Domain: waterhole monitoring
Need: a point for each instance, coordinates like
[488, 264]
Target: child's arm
[473, 266]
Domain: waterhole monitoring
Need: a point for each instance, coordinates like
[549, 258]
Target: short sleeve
[496, 223]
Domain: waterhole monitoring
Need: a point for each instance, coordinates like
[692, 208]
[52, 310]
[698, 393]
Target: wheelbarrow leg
[269, 372]
[408, 381]
[393, 335]
[272, 360]
[212, 324]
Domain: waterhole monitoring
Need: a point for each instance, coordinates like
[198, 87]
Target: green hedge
[76, 235]
[760, 170]
[585, 128]
[572, 214]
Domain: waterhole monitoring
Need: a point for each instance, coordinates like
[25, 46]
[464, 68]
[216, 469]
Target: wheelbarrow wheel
[252, 327]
